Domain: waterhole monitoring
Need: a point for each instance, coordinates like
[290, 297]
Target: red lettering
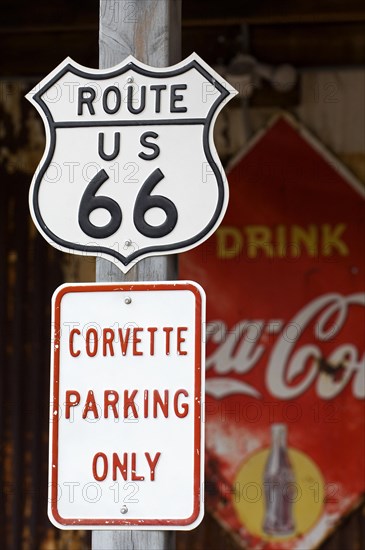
[121, 466]
[71, 342]
[145, 403]
[152, 331]
[90, 405]
[164, 405]
[180, 340]
[108, 337]
[124, 341]
[95, 466]
[136, 341]
[184, 406]
[91, 343]
[111, 399]
[152, 463]
[129, 403]
[168, 331]
[69, 403]
[134, 475]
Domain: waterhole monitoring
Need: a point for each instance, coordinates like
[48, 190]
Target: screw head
[127, 300]
[123, 509]
[130, 79]
[128, 243]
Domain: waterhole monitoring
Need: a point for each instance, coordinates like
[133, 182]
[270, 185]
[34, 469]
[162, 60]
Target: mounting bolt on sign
[130, 168]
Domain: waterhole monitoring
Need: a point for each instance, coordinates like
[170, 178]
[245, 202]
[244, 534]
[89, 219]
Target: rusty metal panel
[29, 273]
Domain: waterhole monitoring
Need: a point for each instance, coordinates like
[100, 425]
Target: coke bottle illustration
[278, 483]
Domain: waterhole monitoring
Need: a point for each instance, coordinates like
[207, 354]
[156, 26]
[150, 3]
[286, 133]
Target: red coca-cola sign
[284, 276]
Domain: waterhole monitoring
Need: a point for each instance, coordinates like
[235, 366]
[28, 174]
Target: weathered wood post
[151, 31]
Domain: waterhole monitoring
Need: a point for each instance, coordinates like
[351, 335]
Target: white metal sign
[130, 168]
[127, 379]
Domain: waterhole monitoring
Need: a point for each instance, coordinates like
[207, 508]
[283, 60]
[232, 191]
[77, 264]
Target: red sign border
[129, 523]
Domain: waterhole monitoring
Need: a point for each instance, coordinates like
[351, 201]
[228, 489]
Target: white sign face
[130, 168]
[127, 379]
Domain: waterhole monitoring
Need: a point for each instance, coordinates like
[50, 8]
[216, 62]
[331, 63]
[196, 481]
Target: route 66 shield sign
[130, 169]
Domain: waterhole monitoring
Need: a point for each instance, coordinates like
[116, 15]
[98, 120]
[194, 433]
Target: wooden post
[151, 31]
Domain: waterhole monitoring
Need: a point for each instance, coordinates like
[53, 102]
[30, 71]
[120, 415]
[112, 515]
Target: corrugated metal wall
[30, 270]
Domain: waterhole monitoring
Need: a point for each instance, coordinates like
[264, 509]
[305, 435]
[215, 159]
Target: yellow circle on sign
[307, 498]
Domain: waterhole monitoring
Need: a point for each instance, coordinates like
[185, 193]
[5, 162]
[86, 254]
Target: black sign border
[152, 250]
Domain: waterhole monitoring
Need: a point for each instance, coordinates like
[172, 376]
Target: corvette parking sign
[130, 168]
[127, 393]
